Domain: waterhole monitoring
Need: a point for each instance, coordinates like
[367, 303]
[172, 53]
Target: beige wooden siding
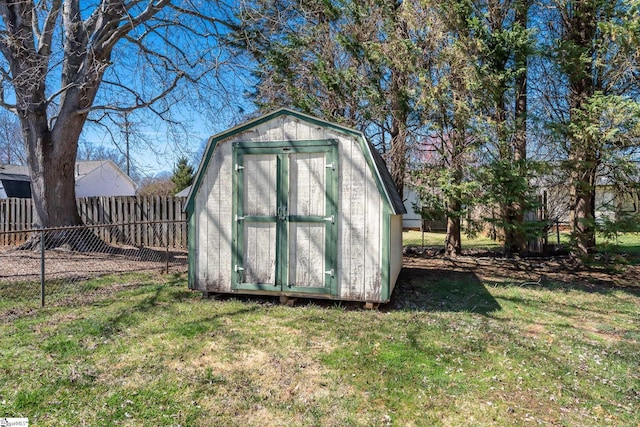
[213, 209]
[306, 254]
[259, 253]
[286, 129]
[260, 183]
[307, 240]
[259, 199]
[360, 208]
[307, 170]
[359, 229]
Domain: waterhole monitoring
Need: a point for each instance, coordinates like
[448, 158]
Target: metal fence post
[42, 289]
[167, 260]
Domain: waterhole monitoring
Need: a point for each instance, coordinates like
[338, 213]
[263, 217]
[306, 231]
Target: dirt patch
[61, 264]
[274, 380]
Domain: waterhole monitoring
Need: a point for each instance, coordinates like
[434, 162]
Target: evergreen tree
[454, 85]
[593, 46]
[353, 62]
[182, 175]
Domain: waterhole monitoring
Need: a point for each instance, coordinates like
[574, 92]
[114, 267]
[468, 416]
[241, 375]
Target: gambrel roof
[375, 161]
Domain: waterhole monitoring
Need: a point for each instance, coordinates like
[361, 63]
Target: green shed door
[285, 228]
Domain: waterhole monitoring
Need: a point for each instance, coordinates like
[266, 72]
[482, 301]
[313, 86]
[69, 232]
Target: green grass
[414, 238]
[447, 351]
[626, 243]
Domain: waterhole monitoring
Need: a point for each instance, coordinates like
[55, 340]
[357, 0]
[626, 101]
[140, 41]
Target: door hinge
[237, 269]
[330, 218]
[330, 166]
[239, 218]
[330, 272]
[239, 167]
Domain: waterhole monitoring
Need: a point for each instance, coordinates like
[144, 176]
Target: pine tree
[182, 175]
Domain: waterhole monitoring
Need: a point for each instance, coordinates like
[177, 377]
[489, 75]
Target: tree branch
[123, 24]
[140, 103]
[45, 37]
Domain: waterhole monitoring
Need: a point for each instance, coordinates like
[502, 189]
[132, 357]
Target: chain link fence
[555, 239]
[59, 265]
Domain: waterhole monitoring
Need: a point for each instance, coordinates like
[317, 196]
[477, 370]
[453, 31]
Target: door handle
[282, 213]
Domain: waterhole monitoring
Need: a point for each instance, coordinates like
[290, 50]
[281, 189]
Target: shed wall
[395, 249]
[213, 212]
[360, 211]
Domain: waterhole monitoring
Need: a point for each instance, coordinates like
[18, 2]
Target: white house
[610, 202]
[102, 178]
[184, 192]
[411, 220]
[93, 178]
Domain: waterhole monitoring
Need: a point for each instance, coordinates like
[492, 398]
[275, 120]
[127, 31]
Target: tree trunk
[582, 207]
[453, 241]
[519, 243]
[399, 118]
[51, 164]
[398, 154]
[581, 27]
[52, 172]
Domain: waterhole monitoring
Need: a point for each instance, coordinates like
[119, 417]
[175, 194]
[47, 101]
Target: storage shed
[291, 205]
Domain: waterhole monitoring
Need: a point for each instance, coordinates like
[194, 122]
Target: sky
[155, 151]
[156, 148]
[144, 65]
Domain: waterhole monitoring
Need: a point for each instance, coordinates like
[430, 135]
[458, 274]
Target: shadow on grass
[417, 289]
[153, 301]
[439, 290]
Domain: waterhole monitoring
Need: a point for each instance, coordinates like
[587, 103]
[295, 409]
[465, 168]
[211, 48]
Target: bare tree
[65, 60]
[12, 149]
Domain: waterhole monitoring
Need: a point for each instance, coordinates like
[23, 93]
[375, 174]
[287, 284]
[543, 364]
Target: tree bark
[520, 137]
[399, 107]
[52, 173]
[582, 204]
[581, 26]
[398, 152]
[453, 240]
[52, 141]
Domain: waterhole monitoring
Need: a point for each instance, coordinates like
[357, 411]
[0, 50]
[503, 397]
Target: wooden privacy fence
[140, 220]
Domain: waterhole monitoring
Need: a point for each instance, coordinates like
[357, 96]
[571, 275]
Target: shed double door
[285, 223]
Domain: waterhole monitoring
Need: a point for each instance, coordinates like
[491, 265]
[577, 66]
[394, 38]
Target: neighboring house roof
[183, 193]
[17, 170]
[15, 178]
[387, 187]
[89, 168]
[14, 184]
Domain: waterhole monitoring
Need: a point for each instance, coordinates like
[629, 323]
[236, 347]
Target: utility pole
[127, 132]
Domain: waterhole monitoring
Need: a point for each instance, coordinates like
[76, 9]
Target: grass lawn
[625, 243]
[451, 349]
[414, 238]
